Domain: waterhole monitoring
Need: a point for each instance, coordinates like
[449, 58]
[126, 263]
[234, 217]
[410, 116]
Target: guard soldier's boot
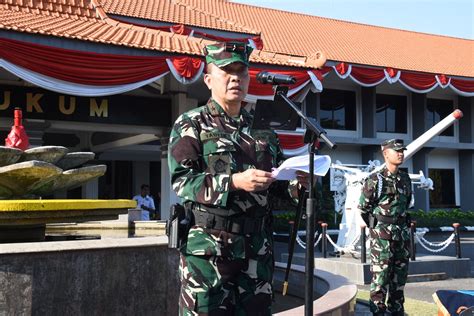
[400, 313]
[379, 314]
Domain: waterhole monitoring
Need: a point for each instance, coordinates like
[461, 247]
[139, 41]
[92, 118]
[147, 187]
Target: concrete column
[90, 190]
[168, 196]
[466, 157]
[466, 130]
[420, 162]
[311, 102]
[420, 159]
[369, 153]
[180, 104]
[179, 100]
[418, 110]
[466, 179]
[35, 130]
[368, 110]
[141, 175]
[85, 142]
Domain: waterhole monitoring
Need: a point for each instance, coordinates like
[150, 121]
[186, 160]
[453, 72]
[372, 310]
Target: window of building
[391, 113]
[444, 194]
[337, 109]
[436, 110]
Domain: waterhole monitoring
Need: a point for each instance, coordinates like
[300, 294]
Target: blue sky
[444, 17]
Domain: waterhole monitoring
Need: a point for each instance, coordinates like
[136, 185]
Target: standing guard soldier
[386, 196]
[224, 173]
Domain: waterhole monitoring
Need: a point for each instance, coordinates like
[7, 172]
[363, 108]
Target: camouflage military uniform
[388, 195]
[222, 273]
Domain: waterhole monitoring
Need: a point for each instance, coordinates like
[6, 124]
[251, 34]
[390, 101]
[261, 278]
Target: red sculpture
[17, 137]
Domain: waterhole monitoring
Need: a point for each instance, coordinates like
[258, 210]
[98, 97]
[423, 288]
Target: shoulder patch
[212, 109]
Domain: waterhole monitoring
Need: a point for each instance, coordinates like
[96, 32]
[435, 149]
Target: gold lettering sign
[6, 100]
[32, 102]
[62, 105]
[99, 111]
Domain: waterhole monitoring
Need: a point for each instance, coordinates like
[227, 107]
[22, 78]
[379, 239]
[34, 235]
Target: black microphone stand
[313, 132]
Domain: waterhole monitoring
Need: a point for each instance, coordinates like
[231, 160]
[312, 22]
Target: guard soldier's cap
[395, 144]
[225, 53]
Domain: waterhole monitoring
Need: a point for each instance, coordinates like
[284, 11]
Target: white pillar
[90, 190]
[141, 175]
[168, 196]
[180, 104]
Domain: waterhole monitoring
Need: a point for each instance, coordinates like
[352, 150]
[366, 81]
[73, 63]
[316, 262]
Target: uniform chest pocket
[218, 156]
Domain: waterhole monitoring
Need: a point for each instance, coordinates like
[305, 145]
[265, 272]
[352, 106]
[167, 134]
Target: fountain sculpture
[27, 176]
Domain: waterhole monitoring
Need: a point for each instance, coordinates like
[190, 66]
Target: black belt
[399, 220]
[240, 225]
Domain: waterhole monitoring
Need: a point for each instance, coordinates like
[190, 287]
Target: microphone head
[274, 78]
[262, 77]
[291, 80]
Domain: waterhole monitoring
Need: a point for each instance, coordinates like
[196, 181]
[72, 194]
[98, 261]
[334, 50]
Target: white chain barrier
[348, 249]
[444, 244]
[421, 240]
[303, 244]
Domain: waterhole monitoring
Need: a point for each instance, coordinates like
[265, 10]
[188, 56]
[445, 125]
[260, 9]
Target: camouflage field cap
[225, 53]
[395, 144]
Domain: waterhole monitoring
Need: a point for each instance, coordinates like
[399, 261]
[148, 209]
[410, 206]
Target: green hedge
[435, 218]
[280, 223]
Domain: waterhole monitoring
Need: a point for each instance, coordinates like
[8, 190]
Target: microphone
[275, 79]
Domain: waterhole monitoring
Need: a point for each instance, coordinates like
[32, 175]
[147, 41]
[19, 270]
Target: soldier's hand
[303, 178]
[252, 180]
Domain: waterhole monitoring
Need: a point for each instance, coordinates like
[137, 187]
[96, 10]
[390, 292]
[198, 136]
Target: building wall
[441, 152]
[447, 159]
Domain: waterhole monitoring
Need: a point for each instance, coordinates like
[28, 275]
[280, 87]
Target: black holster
[408, 219]
[178, 225]
[372, 221]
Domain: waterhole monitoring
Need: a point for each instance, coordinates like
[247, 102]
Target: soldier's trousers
[225, 283]
[389, 269]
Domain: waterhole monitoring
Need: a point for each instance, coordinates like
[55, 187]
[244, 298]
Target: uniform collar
[215, 109]
[387, 173]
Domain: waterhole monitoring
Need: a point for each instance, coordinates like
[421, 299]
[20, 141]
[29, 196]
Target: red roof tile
[86, 20]
[176, 12]
[301, 35]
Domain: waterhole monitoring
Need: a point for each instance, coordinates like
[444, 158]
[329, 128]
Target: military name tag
[213, 135]
[219, 164]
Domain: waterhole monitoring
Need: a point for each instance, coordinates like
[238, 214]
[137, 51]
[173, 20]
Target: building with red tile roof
[364, 83]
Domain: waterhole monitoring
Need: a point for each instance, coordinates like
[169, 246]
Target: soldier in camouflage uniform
[226, 266]
[386, 196]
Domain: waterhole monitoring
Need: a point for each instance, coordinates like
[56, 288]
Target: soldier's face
[228, 85]
[394, 157]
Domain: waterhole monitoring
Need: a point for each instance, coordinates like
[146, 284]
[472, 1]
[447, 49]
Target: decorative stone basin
[70, 179]
[37, 175]
[9, 156]
[51, 154]
[21, 178]
[22, 220]
[75, 159]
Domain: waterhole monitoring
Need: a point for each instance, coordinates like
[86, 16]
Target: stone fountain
[28, 176]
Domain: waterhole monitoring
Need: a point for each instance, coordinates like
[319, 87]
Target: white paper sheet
[287, 170]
